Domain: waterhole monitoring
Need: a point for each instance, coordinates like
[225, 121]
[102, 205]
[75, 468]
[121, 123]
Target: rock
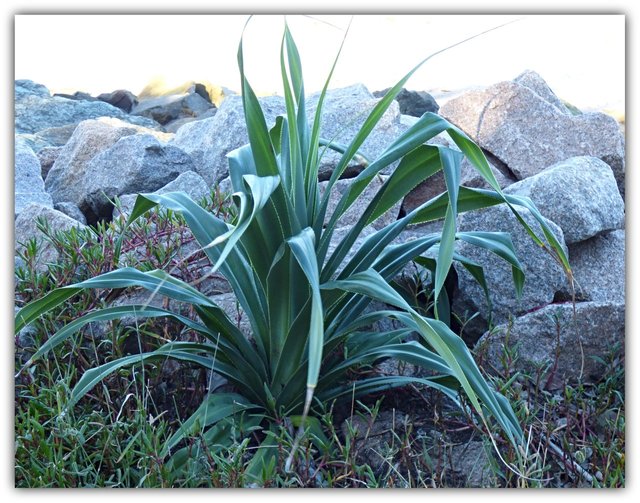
[67, 180]
[543, 277]
[35, 112]
[189, 182]
[413, 103]
[579, 343]
[71, 210]
[135, 163]
[472, 464]
[530, 134]
[25, 88]
[209, 141]
[173, 126]
[579, 194]
[26, 229]
[537, 84]
[56, 136]
[78, 95]
[344, 112]
[469, 177]
[598, 266]
[47, 156]
[29, 186]
[355, 211]
[122, 99]
[165, 109]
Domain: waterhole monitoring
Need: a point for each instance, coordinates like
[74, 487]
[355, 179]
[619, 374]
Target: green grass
[113, 437]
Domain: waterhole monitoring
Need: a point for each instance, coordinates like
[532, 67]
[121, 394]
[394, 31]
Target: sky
[582, 57]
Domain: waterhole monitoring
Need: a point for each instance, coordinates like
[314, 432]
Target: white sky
[580, 56]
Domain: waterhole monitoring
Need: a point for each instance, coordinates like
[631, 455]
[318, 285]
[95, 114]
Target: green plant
[307, 307]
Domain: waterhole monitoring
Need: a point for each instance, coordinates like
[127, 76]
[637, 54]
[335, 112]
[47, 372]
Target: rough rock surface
[343, 114]
[71, 210]
[595, 331]
[414, 103]
[189, 182]
[29, 186]
[26, 228]
[209, 141]
[537, 84]
[47, 156]
[165, 109]
[529, 134]
[25, 88]
[598, 267]
[357, 209]
[136, 163]
[543, 277]
[579, 194]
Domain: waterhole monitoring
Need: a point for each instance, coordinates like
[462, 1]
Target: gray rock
[26, 229]
[543, 277]
[47, 156]
[189, 182]
[598, 266]
[165, 109]
[71, 210]
[34, 113]
[413, 103]
[578, 342]
[25, 88]
[27, 336]
[78, 95]
[579, 194]
[29, 186]
[344, 112]
[537, 84]
[136, 163]
[173, 126]
[209, 141]
[530, 134]
[353, 214]
[68, 178]
[122, 99]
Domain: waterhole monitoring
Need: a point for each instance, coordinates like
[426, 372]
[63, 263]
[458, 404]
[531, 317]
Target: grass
[404, 438]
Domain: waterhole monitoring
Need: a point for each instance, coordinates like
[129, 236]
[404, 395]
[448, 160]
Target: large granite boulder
[529, 133]
[579, 194]
[68, 179]
[570, 345]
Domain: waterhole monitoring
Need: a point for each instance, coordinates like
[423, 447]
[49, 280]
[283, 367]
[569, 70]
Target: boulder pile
[74, 154]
